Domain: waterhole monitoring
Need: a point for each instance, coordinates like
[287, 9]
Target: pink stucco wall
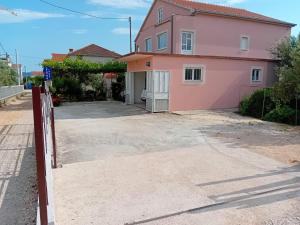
[140, 65]
[214, 35]
[150, 30]
[221, 37]
[226, 82]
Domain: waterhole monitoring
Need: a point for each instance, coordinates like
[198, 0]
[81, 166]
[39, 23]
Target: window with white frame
[160, 15]
[193, 73]
[187, 42]
[148, 47]
[162, 41]
[256, 75]
[244, 43]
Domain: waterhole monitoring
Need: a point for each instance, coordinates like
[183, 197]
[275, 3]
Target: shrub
[244, 106]
[281, 114]
[258, 104]
[72, 88]
[118, 87]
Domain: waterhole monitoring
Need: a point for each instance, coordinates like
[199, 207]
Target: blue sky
[40, 30]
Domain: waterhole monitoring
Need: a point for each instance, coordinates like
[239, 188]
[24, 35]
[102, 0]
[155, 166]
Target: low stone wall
[10, 91]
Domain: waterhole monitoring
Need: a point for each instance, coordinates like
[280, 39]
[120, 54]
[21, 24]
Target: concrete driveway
[122, 165]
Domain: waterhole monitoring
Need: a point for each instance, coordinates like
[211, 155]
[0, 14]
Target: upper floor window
[148, 46]
[162, 41]
[187, 42]
[194, 73]
[244, 43]
[160, 15]
[256, 75]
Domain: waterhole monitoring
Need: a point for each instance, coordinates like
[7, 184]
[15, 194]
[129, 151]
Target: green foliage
[78, 79]
[94, 87]
[8, 76]
[281, 114]
[72, 88]
[258, 104]
[244, 106]
[118, 88]
[288, 69]
[78, 67]
[36, 81]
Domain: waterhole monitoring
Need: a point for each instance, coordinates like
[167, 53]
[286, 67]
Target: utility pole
[18, 69]
[130, 33]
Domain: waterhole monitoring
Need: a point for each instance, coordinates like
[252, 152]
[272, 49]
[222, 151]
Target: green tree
[8, 76]
[288, 70]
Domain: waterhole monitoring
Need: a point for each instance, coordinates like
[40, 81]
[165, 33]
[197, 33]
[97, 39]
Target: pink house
[200, 56]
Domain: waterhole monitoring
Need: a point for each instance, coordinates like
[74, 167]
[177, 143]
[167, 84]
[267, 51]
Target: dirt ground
[122, 165]
[18, 197]
[278, 141]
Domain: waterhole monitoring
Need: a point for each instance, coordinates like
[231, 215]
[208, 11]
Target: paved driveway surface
[122, 165]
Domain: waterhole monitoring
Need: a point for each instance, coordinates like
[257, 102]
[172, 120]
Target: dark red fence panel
[45, 145]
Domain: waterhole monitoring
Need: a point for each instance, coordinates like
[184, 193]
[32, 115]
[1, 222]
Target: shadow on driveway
[96, 110]
[18, 195]
[249, 197]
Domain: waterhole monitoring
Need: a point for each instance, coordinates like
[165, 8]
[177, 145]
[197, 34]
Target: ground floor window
[256, 75]
[193, 73]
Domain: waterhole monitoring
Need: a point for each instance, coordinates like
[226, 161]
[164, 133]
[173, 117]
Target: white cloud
[123, 31]
[122, 3]
[24, 15]
[79, 31]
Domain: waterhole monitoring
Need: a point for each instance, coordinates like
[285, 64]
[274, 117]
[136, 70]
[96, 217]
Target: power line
[82, 13]
[94, 16]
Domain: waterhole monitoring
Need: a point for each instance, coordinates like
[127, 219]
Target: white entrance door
[161, 80]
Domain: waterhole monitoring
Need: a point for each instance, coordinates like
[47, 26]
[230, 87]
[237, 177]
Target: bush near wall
[80, 80]
[118, 88]
[282, 102]
[263, 104]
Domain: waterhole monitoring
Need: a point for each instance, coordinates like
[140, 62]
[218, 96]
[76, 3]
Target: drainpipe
[172, 34]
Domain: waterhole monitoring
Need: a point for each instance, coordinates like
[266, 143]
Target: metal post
[296, 110]
[130, 33]
[18, 70]
[40, 154]
[53, 138]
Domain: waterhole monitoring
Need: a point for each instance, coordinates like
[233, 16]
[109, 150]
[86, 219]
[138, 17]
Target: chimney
[71, 50]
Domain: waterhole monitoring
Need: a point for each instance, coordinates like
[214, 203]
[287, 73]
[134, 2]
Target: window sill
[162, 49]
[256, 83]
[193, 82]
[187, 53]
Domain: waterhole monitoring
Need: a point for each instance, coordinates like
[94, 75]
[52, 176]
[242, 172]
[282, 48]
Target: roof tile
[229, 11]
[94, 50]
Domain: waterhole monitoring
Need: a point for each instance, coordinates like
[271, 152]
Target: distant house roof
[94, 50]
[37, 73]
[226, 11]
[58, 57]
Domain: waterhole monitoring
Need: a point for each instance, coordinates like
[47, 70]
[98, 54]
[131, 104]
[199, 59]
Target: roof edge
[283, 23]
[150, 54]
